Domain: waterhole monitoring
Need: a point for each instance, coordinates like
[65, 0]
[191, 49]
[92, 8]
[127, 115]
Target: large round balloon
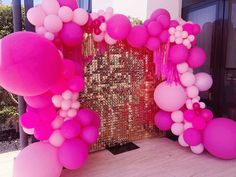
[138, 36]
[27, 64]
[118, 27]
[170, 96]
[219, 138]
[203, 81]
[37, 160]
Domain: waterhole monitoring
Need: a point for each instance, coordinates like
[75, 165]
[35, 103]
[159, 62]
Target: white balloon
[177, 116]
[181, 141]
[197, 149]
[177, 128]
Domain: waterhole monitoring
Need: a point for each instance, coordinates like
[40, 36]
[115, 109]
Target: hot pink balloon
[153, 43]
[192, 137]
[43, 132]
[21, 62]
[36, 16]
[118, 27]
[197, 57]
[199, 123]
[60, 86]
[204, 81]
[70, 129]
[138, 36]
[189, 115]
[178, 54]
[87, 117]
[154, 28]
[76, 84]
[164, 36]
[73, 153]
[159, 12]
[69, 3]
[196, 29]
[219, 138]
[174, 23]
[30, 120]
[164, 20]
[69, 68]
[39, 101]
[163, 120]
[146, 22]
[37, 160]
[90, 134]
[188, 27]
[71, 34]
[207, 114]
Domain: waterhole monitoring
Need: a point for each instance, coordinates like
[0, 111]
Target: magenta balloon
[69, 3]
[207, 114]
[60, 86]
[73, 153]
[219, 138]
[90, 134]
[164, 36]
[154, 28]
[196, 29]
[170, 96]
[189, 115]
[70, 129]
[30, 120]
[204, 81]
[174, 23]
[192, 137]
[87, 117]
[71, 34]
[69, 68]
[146, 22]
[164, 21]
[39, 101]
[138, 36]
[178, 54]
[159, 12]
[37, 160]
[163, 120]
[43, 132]
[77, 84]
[24, 70]
[153, 43]
[199, 123]
[118, 27]
[47, 114]
[188, 27]
[197, 57]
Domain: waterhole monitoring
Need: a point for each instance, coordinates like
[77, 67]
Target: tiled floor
[156, 158]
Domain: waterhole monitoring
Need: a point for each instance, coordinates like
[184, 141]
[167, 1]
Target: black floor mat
[118, 149]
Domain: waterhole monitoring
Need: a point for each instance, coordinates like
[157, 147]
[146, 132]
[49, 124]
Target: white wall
[139, 8]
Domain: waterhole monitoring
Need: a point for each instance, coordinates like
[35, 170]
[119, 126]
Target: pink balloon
[118, 27]
[187, 79]
[178, 54]
[109, 40]
[43, 132]
[71, 3]
[47, 114]
[36, 16]
[56, 139]
[53, 23]
[199, 123]
[196, 29]
[65, 13]
[37, 160]
[170, 97]
[207, 114]
[30, 120]
[197, 57]
[177, 129]
[164, 36]
[159, 12]
[29, 131]
[153, 43]
[39, 101]
[219, 138]
[50, 6]
[71, 34]
[76, 84]
[87, 117]
[189, 115]
[21, 62]
[73, 153]
[174, 23]
[203, 81]
[164, 20]
[192, 137]
[69, 68]
[60, 86]
[90, 134]
[138, 36]
[163, 120]
[154, 28]
[192, 92]
[188, 27]
[81, 16]
[70, 129]
[98, 38]
[40, 30]
[146, 22]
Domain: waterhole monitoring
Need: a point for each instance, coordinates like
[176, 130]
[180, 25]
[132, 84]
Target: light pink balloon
[109, 40]
[56, 139]
[57, 123]
[37, 160]
[177, 116]
[65, 13]
[182, 142]
[197, 149]
[203, 81]
[36, 16]
[182, 67]
[49, 36]
[29, 131]
[98, 38]
[90, 134]
[170, 97]
[50, 6]
[40, 30]
[187, 79]
[192, 91]
[177, 128]
[53, 23]
[80, 16]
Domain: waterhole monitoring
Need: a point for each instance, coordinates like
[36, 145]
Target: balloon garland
[46, 68]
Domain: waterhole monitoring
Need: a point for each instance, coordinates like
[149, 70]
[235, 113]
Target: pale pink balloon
[67, 95]
[49, 36]
[29, 131]
[36, 16]
[170, 96]
[66, 104]
[109, 40]
[181, 141]
[103, 27]
[50, 6]
[56, 100]
[65, 13]
[57, 122]
[204, 81]
[63, 113]
[72, 112]
[187, 79]
[177, 116]
[38, 160]
[182, 67]
[98, 38]
[53, 23]
[75, 105]
[80, 17]
[177, 128]
[56, 139]
[40, 30]
[197, 149]
[192, 91]
[94, 15]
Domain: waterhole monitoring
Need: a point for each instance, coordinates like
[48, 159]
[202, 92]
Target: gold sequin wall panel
[119, 87]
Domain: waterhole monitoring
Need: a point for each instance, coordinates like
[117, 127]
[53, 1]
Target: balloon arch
[46, 68]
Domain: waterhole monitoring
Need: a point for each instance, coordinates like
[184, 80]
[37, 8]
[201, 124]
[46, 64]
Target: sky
[8, 2]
